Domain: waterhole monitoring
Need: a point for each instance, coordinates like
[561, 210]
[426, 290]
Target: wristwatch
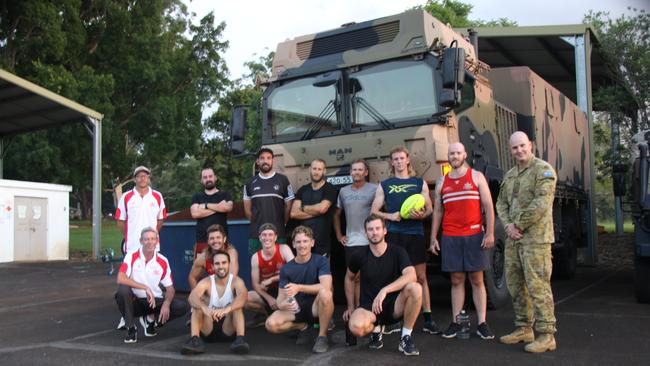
[206, 205]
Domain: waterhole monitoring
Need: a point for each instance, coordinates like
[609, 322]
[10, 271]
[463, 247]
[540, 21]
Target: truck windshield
[397, 91]
[298, 108]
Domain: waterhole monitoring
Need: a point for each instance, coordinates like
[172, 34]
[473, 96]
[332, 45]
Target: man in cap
[139, 208]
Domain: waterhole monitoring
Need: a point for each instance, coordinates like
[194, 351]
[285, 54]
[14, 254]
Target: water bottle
[294, 304]
[463, 320]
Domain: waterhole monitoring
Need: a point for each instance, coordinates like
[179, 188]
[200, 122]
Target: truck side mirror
[643, 173]
[448, 98]
[238, 130]
[453, 68]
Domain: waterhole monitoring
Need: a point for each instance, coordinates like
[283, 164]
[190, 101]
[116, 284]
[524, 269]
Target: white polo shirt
[151, 273]
[139, 212]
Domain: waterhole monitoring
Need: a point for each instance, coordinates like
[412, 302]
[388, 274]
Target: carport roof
[546, 51]
[25, 106]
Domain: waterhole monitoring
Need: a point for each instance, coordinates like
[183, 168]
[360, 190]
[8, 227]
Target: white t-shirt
[139, 212]
[151, 273]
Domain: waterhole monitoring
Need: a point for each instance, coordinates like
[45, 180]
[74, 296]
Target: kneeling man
[389, 289]
[305, 293]
[217, 309]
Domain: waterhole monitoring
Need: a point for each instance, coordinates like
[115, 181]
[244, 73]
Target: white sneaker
[121, 325]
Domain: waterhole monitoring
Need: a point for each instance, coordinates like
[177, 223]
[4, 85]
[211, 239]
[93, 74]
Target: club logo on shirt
[276, 187]
[156, 272]
[447, 189]
[402, 188]
[467, 186]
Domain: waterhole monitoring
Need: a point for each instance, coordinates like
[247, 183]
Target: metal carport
[25, 107]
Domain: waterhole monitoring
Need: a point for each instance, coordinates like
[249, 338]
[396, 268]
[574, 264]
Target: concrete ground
[64, 314]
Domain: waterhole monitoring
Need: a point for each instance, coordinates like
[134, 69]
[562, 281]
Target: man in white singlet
[218, 302]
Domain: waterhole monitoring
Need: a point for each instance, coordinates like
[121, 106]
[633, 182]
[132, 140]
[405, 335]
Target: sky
[255, 27]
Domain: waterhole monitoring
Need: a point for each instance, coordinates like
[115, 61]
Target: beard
[209, 185]
[221, 274]
[375, 241]
[458, 163]
[265, 168]
[317, 180]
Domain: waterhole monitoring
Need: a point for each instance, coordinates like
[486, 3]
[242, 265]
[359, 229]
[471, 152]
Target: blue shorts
[464, 254]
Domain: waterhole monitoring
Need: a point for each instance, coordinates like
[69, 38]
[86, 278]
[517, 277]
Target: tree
[456, 13]
[143, 64]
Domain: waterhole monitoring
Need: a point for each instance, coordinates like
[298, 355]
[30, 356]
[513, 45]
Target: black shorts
[415, 245]
[273, 291]
[305, 315]
[387, 315]
[464, 254]
[350, 251]
[217, 334]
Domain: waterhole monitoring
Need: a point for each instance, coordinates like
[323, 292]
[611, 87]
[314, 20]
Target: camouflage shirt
[526, 200]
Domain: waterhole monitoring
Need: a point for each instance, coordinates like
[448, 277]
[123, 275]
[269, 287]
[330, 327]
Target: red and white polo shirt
[155, 271]
[139, 212]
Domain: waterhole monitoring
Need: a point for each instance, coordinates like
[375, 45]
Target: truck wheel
[642, 279]
[495, 277]
[565, 259]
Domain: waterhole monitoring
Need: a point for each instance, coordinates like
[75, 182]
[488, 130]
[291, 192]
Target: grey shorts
[464, 254]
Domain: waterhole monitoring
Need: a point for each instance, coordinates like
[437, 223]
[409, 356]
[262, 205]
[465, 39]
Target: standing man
[208, 208]
[265, 273]
[218, 309]
[139, 208]
[389, 289]
[267, 198]
[356, 201]
[313, 207]
[465, 247]
[407, 233]
[525, 206]
[305, 293]
[139, 293]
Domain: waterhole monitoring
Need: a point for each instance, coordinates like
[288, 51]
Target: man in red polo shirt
[139, 208]
[139, 293]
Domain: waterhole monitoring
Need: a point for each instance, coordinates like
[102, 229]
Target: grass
[81, 236]
[610, 226]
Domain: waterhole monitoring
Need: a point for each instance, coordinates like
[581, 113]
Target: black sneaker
[193, 346]
[131, 335]
[305, 336]
[484, 331]
[320, 345]
[451, 331]
[430, 327]
[239, 345]
[406, 345]
[149, 327]
[376, 341]
[392, 328]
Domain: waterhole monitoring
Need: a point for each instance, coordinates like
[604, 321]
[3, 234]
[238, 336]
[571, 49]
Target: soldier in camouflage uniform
[525, 207]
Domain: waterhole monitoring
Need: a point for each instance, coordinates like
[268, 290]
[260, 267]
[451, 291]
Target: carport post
[97, 185]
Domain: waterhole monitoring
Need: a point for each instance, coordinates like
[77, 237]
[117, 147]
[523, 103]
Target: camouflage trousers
[528, 275]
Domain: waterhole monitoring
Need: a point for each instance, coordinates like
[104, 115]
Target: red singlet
[271, 267]
[462, 204]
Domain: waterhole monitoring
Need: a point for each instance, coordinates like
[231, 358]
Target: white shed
[34, 221]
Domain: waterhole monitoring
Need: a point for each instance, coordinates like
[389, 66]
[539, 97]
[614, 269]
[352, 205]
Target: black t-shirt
[220, 218]
[377, 272]
[322, 224]
[268, 196]
[304, 273]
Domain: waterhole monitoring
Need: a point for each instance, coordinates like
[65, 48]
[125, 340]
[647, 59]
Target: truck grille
[506, 121]
[361, 38]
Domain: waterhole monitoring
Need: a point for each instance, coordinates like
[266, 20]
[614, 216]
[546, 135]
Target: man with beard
[356, 201]
[208, 208]
[407, 233]
[305, 293]
[267, 198]
[525, 206]
[139, 291]
[217, 309]
[465, 247]
[265, 274]
[202, 266]
[313, 207]
[389, 289]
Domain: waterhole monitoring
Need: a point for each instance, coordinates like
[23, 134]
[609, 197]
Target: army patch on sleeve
[547, 174]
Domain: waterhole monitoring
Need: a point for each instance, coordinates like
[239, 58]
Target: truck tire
[565, 259]
[495, 277]
[642, 279]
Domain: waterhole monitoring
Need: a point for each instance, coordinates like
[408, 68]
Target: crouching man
[305, 293]
[139, 293]
[217, 309]
[389, 289]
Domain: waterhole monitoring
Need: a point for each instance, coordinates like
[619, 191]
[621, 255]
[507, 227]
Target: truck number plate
[340, 180]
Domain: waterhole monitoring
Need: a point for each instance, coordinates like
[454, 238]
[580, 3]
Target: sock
[376, 329]
[427, 316]
[406, 331]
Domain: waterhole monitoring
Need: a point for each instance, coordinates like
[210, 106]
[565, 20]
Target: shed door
[30, 238]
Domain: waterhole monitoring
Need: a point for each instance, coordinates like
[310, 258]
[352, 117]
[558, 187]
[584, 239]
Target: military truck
[640, 207]
[410, 80]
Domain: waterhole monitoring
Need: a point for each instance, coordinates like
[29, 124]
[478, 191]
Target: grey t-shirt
[356, 204]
